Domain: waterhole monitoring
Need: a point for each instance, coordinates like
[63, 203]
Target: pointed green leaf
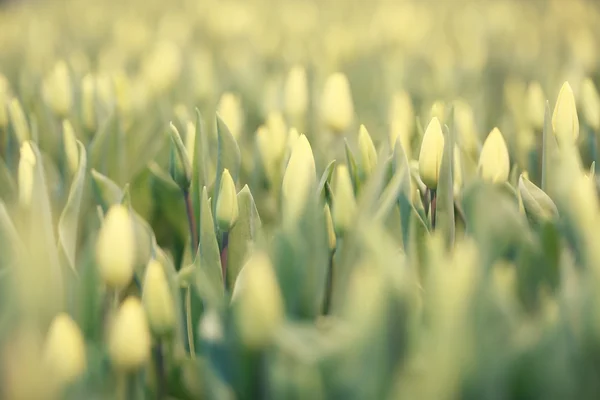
[181, 169]
[98, 146]
[106, 191]
[351, 161]
[324, 188]
[445, 191]
[549, 148]
[537, 204]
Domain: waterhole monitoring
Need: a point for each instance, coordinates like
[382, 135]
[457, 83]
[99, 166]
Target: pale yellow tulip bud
[402, 121]
[536, 105]
[231, 112]
[18, 120]
[64, 350]
[296, 93]
[299, 179]
[115, 248]
[331, 238]
[129, 339]
[4, 96]
[227, 205]
[590, 103]
[257, 301]
[564, 119]
[162, 66]
[278, 132]
[344, 205]
[368, 154]
[438, 110]
[57, 90]
[293, 136]
[337, 107]
[158, 300]
[465, 124]
[26, 173]
[70, 146]
[88, 102]
[494, 161]
[190, 140]
[430, 157]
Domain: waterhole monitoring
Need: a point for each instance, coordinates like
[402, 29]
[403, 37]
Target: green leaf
[97, 147]
[242, 235]
[8, 186]
[11, 244]
[199, 169]
[181, 169]
[106, 191]
[444, 213]
[69, 219]
[538, 205]
[352, 168]
[324, 188]
[209, 276]
[549, 148]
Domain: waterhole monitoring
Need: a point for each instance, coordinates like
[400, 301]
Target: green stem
[433, 194]
[160, 370]
[329, 285]
[188, 294]
[188, 321]
[189, 209]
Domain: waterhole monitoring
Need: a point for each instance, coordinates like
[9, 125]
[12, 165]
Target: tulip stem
[188, 321]
[160, 370]
[433, 194]
[189, 209]
[329, 285]
[223, 248]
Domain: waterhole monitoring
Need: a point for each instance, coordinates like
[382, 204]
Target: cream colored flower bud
[368, 154]
[18, 120]
[190, 140]
[564, 118]
[590, 103]
[278, 132]
[70, 146]
[337, 107]
[331, 238]
[438, 110]
[299, 179]
[292, 137]
[465, 124]
[88, 102]
[494, 161]
[64, 350]
[129, 337]
[295, 92]
[26, 173]
[158, 300]
[57, 90]
[4, 96]
[430, 157]
[162, 66]
[257, 301]
[115, 247]
[402, 121]
[536, 105]
[227, 205]
[344, 205]
[231, 112]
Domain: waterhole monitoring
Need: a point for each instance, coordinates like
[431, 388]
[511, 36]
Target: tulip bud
[190, 141]
[536, 105]
[564, 119]
[57, 91]
[64, 351]
[115, 247]
[368, 154]
[231, 112]
[4, 96]
[402, 121]
[162, 66]
[27, 163]
[296, 93]
[331, 238]
[180, 167]
[430, 157]
[18, 120]
[344, 205]
[129, 337]
[70, 146]
[465, 125]
[88, 102]
[227, 205]
[337, 107]
[457, 173]
[293, 136]
[494, 161]
[158, 300]
[536, 202]
[438, 110]
[590, 103]
[257, 301]
[299, 179]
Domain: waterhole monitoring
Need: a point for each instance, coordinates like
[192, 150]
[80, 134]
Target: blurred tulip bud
[430, 157]
[590, 103]
[368, 154]
[257, 301]
[331, 239]
[27, 163]
[337, 107]
[88, 102]
[123, 95]
[231, 112]
[536, 202]
[129, 337]
[438, 110]
[57, 90]
[18, 120]
[180, 167]
[536, 105]
[295, 93]
[344, 205]
[158, 300]
[465, 123]
[64, 350]
[457, 173]
[162, 66]
[115, 247]
[190, 141]
[70, 146]
[494, 161]
[4, 96]
[278, 131]
[299, 179]
[402, 120]
[564, 119]
[292, 137]
[227, 204]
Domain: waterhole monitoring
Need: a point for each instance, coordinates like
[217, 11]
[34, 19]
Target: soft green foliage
[238, 199]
